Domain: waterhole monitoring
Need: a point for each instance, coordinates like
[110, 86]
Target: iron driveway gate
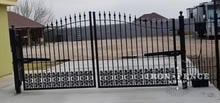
[132, 52]
[60, 58]
[105, 49]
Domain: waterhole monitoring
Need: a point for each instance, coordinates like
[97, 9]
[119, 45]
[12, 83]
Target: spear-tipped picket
[56, 24]
[109, 14]
[70, 20]
[125, 17]
[65, 19]
[119, 16]
[135, 19]
[61, 22]
[130, 18]
[104, 16]
[75, 18]
[84, 16]
[114, 16]
[80, 17]
[100, 15]
[51, 24]
[47, 26]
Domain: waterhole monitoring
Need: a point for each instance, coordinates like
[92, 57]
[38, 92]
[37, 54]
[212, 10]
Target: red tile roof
[22, 22]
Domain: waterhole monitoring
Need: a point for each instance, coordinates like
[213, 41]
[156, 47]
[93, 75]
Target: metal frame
[14, 49]
[104, 50]
[183, 49]
[111, 69]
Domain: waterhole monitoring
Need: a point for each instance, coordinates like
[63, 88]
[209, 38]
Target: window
[211, 11]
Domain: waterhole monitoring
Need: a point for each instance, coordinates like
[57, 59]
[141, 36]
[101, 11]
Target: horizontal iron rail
[165, 53]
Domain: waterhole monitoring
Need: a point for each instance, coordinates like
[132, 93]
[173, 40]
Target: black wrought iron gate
[111, 50]
[132, 52]
[57, 56]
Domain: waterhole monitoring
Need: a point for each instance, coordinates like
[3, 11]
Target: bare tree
[35, 10]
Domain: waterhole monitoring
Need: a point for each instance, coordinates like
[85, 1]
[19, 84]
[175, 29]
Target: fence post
[96, 49]
[216, 45]
[174, 47]
[92, 47]
[15, 60]
[183, 49]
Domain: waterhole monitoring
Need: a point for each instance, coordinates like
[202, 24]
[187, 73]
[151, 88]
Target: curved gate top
[110, 50]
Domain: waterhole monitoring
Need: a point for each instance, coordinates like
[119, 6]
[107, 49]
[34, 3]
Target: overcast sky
[167, 8]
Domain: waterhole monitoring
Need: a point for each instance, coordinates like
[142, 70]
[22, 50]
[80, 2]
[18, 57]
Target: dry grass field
[117, 48]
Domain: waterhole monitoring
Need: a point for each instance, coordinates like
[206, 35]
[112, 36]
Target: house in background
[152, 16]
[31, 32]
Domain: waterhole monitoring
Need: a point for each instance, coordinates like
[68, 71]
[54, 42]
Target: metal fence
[113, 50]
[200, 49]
